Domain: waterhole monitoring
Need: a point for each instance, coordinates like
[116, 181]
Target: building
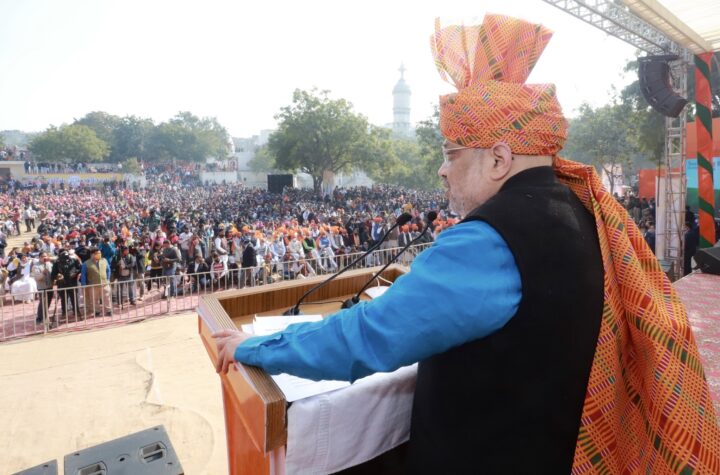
[401, 106]
[245, 149]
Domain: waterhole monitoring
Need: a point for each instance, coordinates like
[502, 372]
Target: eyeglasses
[447, 153]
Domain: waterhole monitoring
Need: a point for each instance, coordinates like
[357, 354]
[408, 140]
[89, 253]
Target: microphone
[401, 220]
[431, 216]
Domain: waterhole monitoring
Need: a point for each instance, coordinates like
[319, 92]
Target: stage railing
[72, 308]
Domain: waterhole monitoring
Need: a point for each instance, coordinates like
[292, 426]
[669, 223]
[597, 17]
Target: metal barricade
[18, 314]
[71, 308]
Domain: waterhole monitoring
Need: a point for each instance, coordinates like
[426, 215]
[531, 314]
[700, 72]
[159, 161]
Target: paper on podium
[293, 388]
[375, 292]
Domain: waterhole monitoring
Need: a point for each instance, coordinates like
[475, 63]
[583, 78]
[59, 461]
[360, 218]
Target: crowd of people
[643, 212]
[178, 231]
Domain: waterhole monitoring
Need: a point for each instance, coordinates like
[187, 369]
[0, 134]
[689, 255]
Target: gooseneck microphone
[431, 216]
[401, 220]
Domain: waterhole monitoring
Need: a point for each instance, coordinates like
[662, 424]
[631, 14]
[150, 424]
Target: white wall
[219, 177]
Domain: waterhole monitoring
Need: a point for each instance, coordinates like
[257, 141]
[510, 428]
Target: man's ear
[502, 160]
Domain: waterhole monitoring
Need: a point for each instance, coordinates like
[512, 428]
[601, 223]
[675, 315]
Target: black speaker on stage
[276, 183]
[708, 260]
[654, 75]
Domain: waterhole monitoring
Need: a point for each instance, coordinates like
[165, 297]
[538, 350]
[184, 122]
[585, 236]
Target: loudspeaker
[276, 183]
[708, 260]
[654, 75]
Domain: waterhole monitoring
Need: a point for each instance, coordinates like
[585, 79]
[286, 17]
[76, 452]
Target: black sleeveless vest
[511, 403]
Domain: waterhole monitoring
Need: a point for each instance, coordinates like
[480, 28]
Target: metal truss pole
[617, 20]
[675, 181]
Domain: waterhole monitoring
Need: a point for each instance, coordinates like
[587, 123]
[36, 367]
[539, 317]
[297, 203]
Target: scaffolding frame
[617, 20]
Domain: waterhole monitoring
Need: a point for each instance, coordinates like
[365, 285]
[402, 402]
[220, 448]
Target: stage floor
[701, 295]
[65, 392]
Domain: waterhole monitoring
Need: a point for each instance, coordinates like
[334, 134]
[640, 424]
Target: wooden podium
[255, 408]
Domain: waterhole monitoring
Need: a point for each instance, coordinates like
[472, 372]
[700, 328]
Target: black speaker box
[654, 75]
[708, 260]
[276, 183]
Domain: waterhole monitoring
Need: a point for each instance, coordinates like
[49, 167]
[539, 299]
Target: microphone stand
[352, 301]
[295, 310]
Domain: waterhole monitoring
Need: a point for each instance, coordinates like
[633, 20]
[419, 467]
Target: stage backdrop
[647, 177]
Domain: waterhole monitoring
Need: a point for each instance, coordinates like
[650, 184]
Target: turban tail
[489, 65]
[647, 407]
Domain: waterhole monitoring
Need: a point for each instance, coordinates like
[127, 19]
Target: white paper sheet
[375, 292]
[263, 326]
[293, 388]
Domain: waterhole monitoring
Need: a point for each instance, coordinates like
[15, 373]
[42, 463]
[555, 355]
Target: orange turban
[489, 65]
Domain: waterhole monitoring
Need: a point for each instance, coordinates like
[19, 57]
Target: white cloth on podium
[336, 430]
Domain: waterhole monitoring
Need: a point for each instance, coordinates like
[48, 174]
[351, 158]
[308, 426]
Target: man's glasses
[447, 153]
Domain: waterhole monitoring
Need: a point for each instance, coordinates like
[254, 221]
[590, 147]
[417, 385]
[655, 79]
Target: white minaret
[401, 105]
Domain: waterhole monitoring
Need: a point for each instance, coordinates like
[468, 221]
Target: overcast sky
[240, 60]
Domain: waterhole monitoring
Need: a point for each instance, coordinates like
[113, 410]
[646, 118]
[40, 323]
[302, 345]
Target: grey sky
[240, 60]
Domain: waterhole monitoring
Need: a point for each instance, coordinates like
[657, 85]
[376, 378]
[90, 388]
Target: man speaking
[548, 338]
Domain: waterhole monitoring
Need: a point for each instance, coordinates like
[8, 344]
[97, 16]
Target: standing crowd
[181, 236]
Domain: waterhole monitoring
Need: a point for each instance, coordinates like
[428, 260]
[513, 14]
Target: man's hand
[227, 341]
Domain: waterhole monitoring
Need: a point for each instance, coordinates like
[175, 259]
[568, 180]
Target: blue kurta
[466, 286]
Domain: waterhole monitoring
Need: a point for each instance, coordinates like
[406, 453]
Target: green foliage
[412, 163]
[602, 137]
[2, 141]
[188, 138]
[12, 138]
[102, 123]
[263, 160]
[318, 134]
[126, 136]
[69, 143]
[430, 141]
[646, 126]
[130, 139]
[132, 166]
[403, 165]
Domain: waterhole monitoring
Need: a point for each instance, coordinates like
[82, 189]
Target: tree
[430, 141]
[412, 163]
[132, 166]
[188, 138]
[317, 134]
[263, 160]
[126, 136]
[2, 141]
[69, 143]
[130, 138]
[404, 165]
[102, 123]
[647, 126]
[601, 137]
